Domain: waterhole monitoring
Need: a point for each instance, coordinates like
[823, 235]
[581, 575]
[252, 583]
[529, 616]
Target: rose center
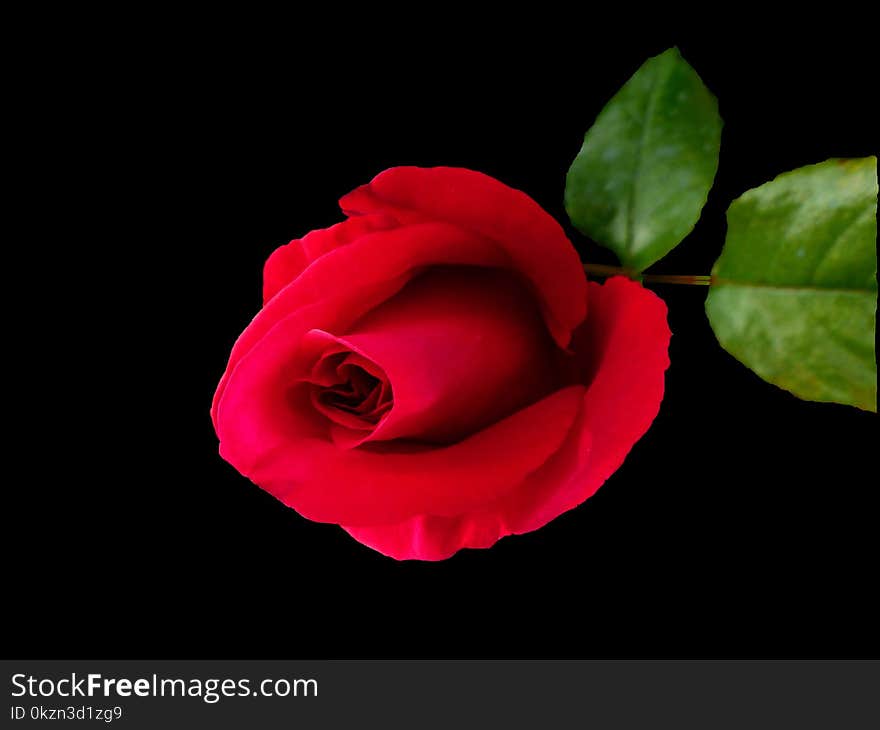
[350, 390]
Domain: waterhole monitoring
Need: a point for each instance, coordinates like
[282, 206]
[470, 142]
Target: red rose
[428, 373]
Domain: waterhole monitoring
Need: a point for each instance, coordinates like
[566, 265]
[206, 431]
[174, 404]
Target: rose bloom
[435, 372]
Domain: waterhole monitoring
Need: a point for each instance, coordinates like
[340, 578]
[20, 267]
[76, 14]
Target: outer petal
[534, 241]
[289, 261]
[625, 345]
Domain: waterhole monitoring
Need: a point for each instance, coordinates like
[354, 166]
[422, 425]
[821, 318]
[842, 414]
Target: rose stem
[603, 270]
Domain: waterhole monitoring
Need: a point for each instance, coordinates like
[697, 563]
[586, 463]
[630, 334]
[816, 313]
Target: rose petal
[289, 261]
[624, 344]
[534, 241]
[359, 486]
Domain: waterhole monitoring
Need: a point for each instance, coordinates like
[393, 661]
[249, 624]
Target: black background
[743, 524]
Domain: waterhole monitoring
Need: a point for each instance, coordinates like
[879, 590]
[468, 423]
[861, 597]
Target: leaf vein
[716, 281]
[664, 75]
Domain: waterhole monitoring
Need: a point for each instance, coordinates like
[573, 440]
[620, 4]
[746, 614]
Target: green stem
[603, 270]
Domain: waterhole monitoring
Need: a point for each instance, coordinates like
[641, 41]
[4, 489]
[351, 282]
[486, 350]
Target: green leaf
[794, 293]
[646, 166]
